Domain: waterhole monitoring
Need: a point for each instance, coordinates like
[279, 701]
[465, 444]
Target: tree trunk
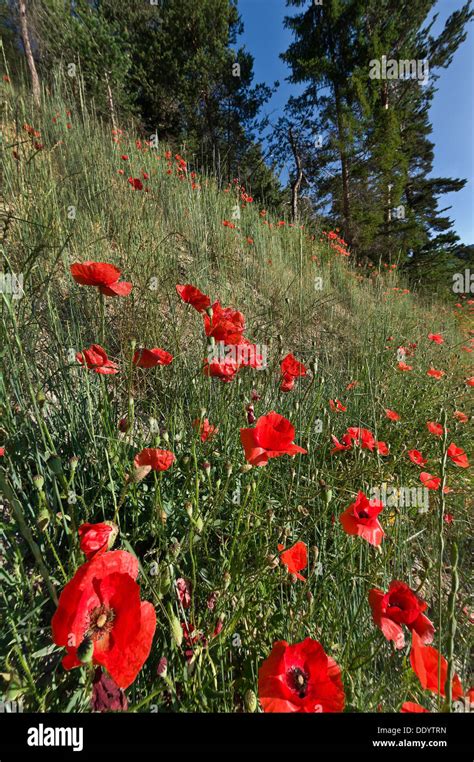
[28, 52]
[295, 188]
[110, 99]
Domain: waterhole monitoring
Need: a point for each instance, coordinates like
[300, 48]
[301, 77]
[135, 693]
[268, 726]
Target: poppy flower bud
[124, 425]
[313, 366]
[245, 468]
[199, 523]
[250, 701]
[55, 464]
[189, 508]
[176, 629]
[228, 468]
[40, 398]
[273, 561]
[162, 668]
[207, 467]
[226, 579]
[139, 473]
[251, 414]
[43, 519]
[73, 463]
[85, 650]
[38, 481]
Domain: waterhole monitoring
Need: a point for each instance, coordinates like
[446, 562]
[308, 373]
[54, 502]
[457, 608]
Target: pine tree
[371, 174]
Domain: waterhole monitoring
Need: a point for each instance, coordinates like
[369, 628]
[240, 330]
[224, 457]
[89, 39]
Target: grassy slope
[174, 234]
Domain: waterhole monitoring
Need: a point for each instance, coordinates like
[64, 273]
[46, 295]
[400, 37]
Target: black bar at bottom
[98, 736]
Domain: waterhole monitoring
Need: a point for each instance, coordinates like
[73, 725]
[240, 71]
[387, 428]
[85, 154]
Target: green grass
[50, 406]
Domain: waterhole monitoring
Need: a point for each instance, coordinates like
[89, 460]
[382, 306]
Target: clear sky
[452, 111]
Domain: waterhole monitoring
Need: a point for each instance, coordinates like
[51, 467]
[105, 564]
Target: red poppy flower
[193, 296]
[448, 518]
[2, 452]
[337, 406]
[400, 605]
[362, 437]
[291, 369]
[272, 437]
[226, 324]
[100, 617]
[435, 373]
[300, 678]
[413, 708]
[95, 358]
[436, 337]
[150, 358]
[287, 384]
[158, 460]
[124, 157]
[102, 275]
[392, 415]
[206, 430]
[295, 558]
[460, 416]
[417, 458]
[246, 354]
[382, 448]
[339, 446]
[96, 538]
[360, 518]
[225, 370]
[403, 366]
[430, 481]
[352, 385]
[136, 183]
[428, 665]
[435, 428]
[458, 456]
[470, 381]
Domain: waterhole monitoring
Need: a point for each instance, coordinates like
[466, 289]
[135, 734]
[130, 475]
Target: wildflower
[295, 558]
[95, 358]
[435, 428]
[272, 437]
[431, 668]
[100, 616]
[458, 456]
[417, 458]
[291, 369]
[193, 296]
[96, 538]
[150, 358]
[400, 606]
[337, 406]
[206, 430]
[136, 183]
[158, 460]
[429, 481]
[300, 678]
[102, 275]
[360, 518]
[392, 415]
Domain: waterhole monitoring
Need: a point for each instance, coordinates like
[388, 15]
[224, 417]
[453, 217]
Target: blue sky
[452, 111]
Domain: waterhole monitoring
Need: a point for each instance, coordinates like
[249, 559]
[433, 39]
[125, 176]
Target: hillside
[74, 193]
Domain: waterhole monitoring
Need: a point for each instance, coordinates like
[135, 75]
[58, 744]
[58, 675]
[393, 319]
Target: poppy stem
[442, 501]
[452, 625]
[102, 318]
